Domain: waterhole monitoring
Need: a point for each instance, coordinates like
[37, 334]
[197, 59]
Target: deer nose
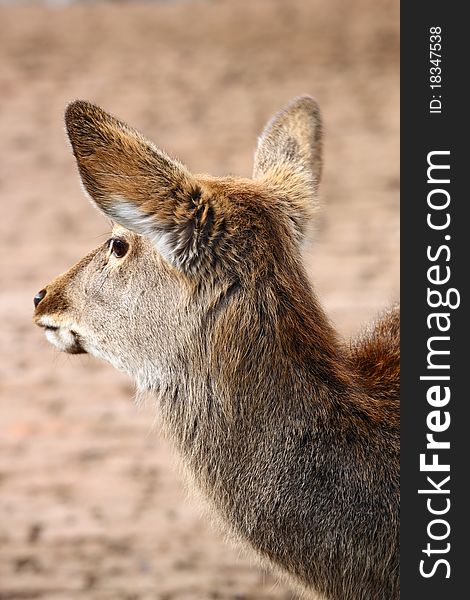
[39, 296]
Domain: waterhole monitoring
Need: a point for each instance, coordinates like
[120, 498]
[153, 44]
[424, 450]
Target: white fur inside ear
[131, 217]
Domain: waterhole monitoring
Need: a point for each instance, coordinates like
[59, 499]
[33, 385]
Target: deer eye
[118, 247]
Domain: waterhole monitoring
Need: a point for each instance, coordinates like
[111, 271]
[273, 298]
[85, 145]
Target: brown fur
[292, 436]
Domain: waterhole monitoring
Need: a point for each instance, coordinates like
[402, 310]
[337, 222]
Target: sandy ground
[92, 505]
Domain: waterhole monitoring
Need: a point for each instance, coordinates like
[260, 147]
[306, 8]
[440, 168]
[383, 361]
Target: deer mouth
[65, 339]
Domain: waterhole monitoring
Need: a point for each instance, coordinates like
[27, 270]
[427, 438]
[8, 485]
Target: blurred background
[92, 504]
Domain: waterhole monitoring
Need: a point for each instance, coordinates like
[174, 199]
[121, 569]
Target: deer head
[182, 245]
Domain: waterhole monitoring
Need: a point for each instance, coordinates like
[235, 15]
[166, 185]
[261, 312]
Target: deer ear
[135, 183]
[289, 156]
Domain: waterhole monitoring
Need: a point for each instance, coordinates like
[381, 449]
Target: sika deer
[201, 296]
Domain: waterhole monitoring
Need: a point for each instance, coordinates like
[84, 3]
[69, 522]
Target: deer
[200, 295]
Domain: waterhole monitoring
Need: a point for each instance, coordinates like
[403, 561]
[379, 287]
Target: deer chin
[63, 338]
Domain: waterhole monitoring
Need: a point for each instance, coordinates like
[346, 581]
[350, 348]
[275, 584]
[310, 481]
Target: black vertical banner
[435, 267]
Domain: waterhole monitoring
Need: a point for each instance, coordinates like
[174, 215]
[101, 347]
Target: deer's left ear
[289, 156]
[137, 185]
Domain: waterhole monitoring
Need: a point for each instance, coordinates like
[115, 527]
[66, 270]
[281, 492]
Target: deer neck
[266, 421]
[258, 375]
